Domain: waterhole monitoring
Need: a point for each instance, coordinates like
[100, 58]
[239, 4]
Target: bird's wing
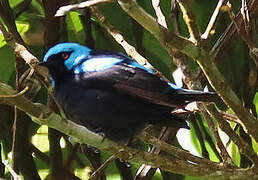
[128, 77]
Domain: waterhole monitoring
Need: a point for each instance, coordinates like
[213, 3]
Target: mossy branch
[202, 168]
[171, 41]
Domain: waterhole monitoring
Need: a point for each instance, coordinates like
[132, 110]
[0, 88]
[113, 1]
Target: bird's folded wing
[126, 79]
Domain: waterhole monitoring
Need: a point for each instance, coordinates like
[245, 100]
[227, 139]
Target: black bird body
[118, 116]
[111, 94]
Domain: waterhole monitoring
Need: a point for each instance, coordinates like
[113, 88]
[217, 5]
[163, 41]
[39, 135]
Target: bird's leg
[100, 132]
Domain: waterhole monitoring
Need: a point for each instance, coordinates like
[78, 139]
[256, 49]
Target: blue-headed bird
[111, 94]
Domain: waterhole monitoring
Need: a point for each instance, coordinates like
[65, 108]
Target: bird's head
[61, 58]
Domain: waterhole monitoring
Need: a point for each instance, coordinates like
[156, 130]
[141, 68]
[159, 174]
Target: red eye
[65, 55]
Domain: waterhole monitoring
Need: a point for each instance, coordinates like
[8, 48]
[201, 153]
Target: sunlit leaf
[75, 28]
[235, 154]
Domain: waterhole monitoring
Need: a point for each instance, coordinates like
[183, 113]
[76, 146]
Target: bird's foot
[100, 132]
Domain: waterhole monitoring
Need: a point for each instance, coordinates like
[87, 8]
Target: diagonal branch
[42, 115]
[177, 152]
[130, 50]
[203, 58]
[223, 151]
[231, 29]
[212, 21]
[243, 146]
[216, 79]
[66, 9]
[160, 16]
[19, 49]
[168, 39]
[190, 20]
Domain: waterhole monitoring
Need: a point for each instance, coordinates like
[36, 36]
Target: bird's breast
[102, 109]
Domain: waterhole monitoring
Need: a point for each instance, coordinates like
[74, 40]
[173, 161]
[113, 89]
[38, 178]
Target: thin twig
[95, 174]
[166, 37]
[166, 135]
[19, 49]
[42, 115]
[242, 145]
[246, 35]
[12, 172]
[17, 94]
[232, 16]
[230, 117]
[190, 20]
[231, 29]
[212, 21]
[179, 59]
[160, 16]
[65, 9]
[177, 152]
[130, 50]
[236, 138]
[245, 13]
[22, 51]
[224, 154]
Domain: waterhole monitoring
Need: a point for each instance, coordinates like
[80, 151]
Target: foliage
[225, 134]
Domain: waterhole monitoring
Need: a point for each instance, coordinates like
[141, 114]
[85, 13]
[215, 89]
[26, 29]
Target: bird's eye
[65, 55]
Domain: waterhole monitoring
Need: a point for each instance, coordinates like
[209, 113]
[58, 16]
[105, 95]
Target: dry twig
[66, 9]
[223, 151]
[12, 172]
[190, 20]
[19, 49]
[160, 16]
[212, 21]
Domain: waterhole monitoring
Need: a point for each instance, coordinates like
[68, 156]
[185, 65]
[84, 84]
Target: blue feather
[173, 86]
[78, 53]
[111, 93]
[136, 64]
[96, 64]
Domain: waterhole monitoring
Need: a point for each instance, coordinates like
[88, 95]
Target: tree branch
[42, 115]
[218, 81]
[243, 146]
[130, 50]
[177, 152]
[223, 151]
[212, 21]
[66, 9]
[190, 20]
[160, 17]
[12, 172]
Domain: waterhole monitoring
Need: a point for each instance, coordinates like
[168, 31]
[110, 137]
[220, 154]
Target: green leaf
[75, 28]
[212, 154]
[7, 56]
[152, 49]
[15, 3]
[254, 143]
[194, 138]
[22, 27]
[255, 146]
[235, 154]
[6, 63]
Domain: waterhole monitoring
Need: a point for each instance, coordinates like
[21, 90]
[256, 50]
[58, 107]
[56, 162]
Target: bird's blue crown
[77, 53]
[80, 62]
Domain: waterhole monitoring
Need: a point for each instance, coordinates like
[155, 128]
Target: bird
[111, 94]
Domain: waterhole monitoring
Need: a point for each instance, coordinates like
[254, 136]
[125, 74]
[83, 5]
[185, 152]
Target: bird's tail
[193, 95]
[171, 121]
